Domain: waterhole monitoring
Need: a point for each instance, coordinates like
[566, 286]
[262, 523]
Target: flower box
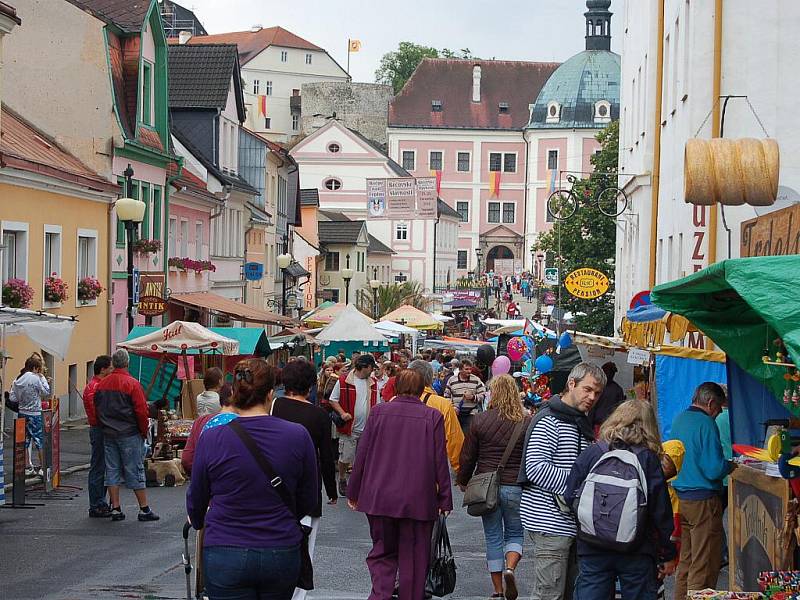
[89, 289]
[17, 293]
[146, 247]
[55, 289]
[188, 264]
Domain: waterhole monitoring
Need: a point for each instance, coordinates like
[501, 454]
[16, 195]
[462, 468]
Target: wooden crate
[757, 508]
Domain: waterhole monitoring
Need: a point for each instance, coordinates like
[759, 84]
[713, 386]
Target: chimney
[184, 37]
[256, 28]
[476, 83]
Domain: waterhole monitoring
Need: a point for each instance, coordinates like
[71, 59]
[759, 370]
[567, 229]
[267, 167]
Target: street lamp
[347, 275]
[479, 256]
[375, 284]
[284, 260]
[131, 212]
[539, 282]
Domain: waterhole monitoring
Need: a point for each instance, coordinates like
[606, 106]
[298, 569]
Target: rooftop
[9, 11]
[309, 197]
[377, 247]
[127, 15]
[253, 43]
[445, 210]
[339, 232]
[200, 75]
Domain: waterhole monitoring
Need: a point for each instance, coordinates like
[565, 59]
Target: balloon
[544, 364]
[486, 354]
[516, 348]
[501, 366]
[565, 341]
[528, 366]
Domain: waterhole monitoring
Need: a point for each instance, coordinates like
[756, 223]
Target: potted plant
[17, 293]
[89, 289]
[146, 247]
[55, 289]
[188, 264]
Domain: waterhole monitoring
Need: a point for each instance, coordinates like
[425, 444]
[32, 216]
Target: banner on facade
[402, 198]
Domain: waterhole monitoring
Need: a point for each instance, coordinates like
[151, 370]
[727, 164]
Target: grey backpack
[611, 505]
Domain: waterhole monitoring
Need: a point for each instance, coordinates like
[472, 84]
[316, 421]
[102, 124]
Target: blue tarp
[751, 406]
[644, 314]
[676, 381]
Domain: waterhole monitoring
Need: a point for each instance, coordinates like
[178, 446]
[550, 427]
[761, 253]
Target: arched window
[553, 112]
[589, 27]
[602, 111]
[332, 184]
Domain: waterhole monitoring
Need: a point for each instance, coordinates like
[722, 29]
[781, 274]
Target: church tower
[598, 25]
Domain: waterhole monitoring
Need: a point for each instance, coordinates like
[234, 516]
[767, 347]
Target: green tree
[397, 66]
[588, 238]
[391, 297]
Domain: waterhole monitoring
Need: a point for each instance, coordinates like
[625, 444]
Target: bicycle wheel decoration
[612, 201]
[562, 204]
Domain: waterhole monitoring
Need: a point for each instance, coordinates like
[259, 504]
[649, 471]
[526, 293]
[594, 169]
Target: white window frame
[184, 238]
[172, 235]
[268, 88]
[414, 154]
[547, 160]
[469, 161]
[308, 58]
[198, 241]
[432, 150]
[57, 231]
[295, 122]
[256, 86]
[468, 211]
[267, 123]
[284, 56]
[503, 213]
[557, 117]
[516, 162]
[499, 213]
[597, 117]
[401, 228]
[17, 227]
[466, 259]
[91, 270]
[489, 162]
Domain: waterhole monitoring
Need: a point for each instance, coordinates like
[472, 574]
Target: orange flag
[438, 175]
[494, 184]
[262, 105]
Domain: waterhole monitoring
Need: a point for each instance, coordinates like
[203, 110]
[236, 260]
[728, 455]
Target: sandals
[511, 585]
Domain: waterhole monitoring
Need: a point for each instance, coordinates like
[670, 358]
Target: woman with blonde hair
[631, 427]
[492, 436]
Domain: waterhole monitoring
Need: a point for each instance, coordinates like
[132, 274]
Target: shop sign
[253, 271]
[774, 234]
[637, 356]
[291, 301]
[152, 298]
[549, 298]
[551, 276]
[152, 306]
[586, 284]
[402, 198]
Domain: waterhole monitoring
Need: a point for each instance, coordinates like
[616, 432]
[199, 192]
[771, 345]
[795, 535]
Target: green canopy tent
[743, 305]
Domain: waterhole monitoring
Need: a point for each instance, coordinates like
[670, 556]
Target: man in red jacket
[352, 397]
[122, 414]
[98, 507]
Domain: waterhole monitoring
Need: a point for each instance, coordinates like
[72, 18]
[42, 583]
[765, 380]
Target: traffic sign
[551, 276]
[136, 280]
[641, 299]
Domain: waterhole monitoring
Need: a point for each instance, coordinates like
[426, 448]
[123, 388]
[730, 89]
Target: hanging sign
[152, 301]
[551, 276]
[586, 284]
[253, 271]
[402, 198]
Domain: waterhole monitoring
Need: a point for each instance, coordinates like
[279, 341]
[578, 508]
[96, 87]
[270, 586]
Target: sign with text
[403, 198]
[637, 356]
[152, 299]
[586, 284]
[551, 276]
[773, 234]
[253, 271]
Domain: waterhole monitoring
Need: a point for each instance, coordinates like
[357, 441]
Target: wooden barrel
[731, 171]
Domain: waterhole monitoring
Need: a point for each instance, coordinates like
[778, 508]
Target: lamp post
[375, 284]
[539, 282]
[284, 260]
[131, 212]
[479, 256]
[347, 275]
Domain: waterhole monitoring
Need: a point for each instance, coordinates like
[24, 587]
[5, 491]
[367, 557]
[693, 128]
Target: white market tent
[350, 325]
[180, 336]
[398, 329]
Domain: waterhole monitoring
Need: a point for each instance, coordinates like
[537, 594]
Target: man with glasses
[352, 397]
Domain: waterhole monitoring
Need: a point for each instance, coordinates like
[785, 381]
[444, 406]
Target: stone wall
[359, 106]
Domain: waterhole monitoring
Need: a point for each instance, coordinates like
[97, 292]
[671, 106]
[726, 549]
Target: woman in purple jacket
[401, 480]
[252, 539]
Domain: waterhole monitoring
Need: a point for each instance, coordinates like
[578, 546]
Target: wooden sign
[773, 234]
[152, 294]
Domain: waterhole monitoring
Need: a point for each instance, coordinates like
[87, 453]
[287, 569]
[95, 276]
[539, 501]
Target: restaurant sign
[152, 297]
[586, 284]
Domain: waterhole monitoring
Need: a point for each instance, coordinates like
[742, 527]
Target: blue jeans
[97, 468]
[502, 528]
[125, 461]
[597, 572]
[233, 573]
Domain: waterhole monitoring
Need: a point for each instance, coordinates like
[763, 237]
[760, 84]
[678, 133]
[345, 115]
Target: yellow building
[54, 220]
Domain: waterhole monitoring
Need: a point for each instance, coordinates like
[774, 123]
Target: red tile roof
[191, 181]
[516, 83]
[150, 138]
[10, 12]
[128, 15]
[253, 43]
[24, 147]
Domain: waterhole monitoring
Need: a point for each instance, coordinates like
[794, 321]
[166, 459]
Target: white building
[756, 39]
[275, 64]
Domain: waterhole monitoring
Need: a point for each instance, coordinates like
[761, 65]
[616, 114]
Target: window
[436, 106]
[333, 148]
[462, 259]
[494, 212]
[332, 294]
[553, 112]
[333, 184]
[510, 162]
[361, 262]
[256, 86]
[156, 213]
[144, 228]
[508, 212]
[295, 122]
[409, 160]
[552, 160]
[602, 112]
[332, 261]
[284, 56]
[267, 123]
[308, 59]
[184, 238]
[435, 161]
[268, 88]
[495, 161]
[503, 108]
[173, 233]
[401, 231]
[198, 240]
[462, 208]
[463, 162]
[52, 250]
[87, 253]
[147, 93]
[15, 253]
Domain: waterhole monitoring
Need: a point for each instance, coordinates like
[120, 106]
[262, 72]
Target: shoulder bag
[305, 580]
[480, 497]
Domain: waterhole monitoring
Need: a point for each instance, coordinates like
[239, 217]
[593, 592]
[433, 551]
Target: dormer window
[503, 108]
[602, 111]
[146, 104]
[553, 112]
[436, 106]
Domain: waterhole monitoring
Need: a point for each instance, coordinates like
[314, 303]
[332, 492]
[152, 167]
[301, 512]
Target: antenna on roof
[256, 28]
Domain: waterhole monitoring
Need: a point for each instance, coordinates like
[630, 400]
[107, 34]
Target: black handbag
[305, 580]
[442, 572]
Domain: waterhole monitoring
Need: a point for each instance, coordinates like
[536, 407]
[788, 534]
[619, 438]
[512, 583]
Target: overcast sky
[537, 30]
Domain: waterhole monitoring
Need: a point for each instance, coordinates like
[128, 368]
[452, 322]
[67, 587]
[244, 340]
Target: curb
[32, 480]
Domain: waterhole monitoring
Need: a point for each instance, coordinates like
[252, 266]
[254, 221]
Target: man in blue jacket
[698, 486]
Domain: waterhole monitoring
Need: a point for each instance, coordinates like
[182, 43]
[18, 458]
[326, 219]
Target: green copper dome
[569, 98]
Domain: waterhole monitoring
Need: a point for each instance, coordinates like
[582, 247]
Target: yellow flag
[355, 45]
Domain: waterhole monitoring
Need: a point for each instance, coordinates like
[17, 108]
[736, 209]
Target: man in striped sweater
[556, 436]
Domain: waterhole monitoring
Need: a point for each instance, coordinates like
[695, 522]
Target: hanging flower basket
[187, 264]
[89, 289]
[146, 247]
[55, 289]
[17, 293]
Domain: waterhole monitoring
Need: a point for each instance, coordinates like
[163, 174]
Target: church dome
[583, 93]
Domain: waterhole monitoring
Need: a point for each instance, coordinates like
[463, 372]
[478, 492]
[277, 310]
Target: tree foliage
[397, 66]
[588, 238]
[391, 297]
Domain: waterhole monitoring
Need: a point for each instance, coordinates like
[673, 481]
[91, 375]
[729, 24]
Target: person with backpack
[558, 433]
[619, 495]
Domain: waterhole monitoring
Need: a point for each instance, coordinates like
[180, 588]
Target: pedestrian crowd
[609, 511]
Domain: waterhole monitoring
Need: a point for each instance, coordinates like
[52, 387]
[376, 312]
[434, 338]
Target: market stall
[351, 330]
[749, 309]
[395, 330]
[413, 317]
